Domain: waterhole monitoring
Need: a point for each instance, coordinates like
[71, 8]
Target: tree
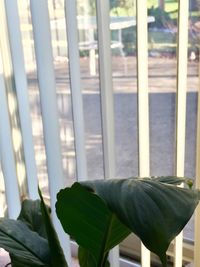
[161, 4]
[125, 5]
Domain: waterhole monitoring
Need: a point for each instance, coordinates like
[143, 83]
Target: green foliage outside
[128, 7]
[122, 7]
[164, 40]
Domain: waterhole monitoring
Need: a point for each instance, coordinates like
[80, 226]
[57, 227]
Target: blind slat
[107, 105]
[197, 212]
[105, 73]
[46, 78]
[181, 107]
[143, 102]
[75, 81]
[6, 142]
[7, 153]
[22, 95]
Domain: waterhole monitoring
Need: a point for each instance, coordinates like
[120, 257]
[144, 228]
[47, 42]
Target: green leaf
[107, 264]
[27, 247]
[154, 211]
[168, 180]
[87, 260]
[57, 255]
[17, 262]
[86, 217]
[31, 215]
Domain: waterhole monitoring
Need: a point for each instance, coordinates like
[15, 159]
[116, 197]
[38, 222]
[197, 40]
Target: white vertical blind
[105, 73]
[6, 143]
[46, 78]
[75, 81]
[181, 107]
[107, 105]
[2, 190]
[197, 212]
[7, 153]
[143, 101]
[22, 95]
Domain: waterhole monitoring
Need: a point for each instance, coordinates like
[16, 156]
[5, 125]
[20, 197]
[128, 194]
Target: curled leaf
[86, 217]
[154, 211]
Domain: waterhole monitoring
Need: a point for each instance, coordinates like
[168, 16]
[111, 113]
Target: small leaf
[57, 255]
[189, 183]
[31, 215]
[88, 220]
[154, 211]
[26, 246]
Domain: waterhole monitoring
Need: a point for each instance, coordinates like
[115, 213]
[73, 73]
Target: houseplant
[99, 215]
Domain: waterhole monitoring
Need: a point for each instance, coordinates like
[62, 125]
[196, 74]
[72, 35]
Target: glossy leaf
[26, 246]
[16, 261]
[86, 217]
[31, 215]
[56, 252]
[154, 211]
[85, 258]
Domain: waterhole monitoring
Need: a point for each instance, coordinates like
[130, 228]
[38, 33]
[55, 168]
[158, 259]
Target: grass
[151, 3]
[161, 37]
[193, 14]
[170, 7]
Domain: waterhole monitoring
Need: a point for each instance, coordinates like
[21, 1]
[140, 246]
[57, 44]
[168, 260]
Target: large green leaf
[86, 217]
[26, 246]
[31, 215]
[154, 211]
[86, 259]
[56, 252]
